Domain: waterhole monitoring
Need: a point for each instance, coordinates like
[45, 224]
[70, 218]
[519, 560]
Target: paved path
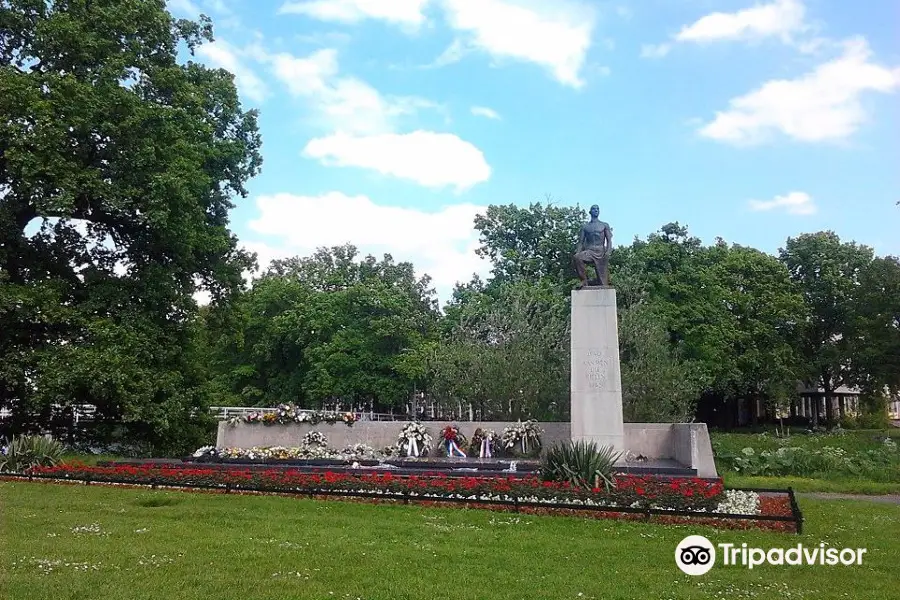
[887, 498]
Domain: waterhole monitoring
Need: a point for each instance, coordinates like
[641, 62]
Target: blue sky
[391, 123]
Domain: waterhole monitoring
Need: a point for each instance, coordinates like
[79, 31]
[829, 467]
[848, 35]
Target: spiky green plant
[27, 451]
[581, 464]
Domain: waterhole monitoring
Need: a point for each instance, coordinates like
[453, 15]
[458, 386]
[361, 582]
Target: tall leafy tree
[876, 328]
[530, 243]
[509, 357]
[330, 328]
[763, 312]
[117, 168]
[828, 273]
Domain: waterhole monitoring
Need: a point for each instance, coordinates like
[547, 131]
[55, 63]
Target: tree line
[702, 327]
[120, 163]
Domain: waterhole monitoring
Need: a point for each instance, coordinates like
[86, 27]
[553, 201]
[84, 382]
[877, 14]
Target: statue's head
[595, 210]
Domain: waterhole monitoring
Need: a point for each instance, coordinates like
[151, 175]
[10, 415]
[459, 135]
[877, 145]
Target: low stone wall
[686, 443]
[376, 434]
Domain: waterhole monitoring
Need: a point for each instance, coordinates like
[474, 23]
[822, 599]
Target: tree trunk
[829, 406]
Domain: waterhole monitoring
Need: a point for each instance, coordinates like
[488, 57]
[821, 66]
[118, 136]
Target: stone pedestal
[596, 382]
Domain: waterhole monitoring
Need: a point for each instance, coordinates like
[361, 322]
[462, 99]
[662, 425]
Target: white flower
[739, 502]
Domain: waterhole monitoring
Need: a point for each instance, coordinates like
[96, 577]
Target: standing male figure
[594, 246]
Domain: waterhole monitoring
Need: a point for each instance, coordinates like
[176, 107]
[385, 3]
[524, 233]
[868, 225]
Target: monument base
[596, 383]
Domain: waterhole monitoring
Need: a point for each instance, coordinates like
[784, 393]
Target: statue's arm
[607, 237]
[579, 247]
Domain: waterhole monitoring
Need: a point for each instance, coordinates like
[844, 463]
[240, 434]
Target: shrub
[27, 451]
[581, 464]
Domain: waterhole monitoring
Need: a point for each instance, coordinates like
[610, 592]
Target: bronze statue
[594, 246]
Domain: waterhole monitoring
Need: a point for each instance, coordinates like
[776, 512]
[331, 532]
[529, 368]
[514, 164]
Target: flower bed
[632, 497]
[635, 492]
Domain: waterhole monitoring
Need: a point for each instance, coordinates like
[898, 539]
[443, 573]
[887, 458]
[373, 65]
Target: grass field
[76, 542]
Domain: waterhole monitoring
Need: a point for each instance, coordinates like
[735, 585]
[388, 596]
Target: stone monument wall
[687, 443]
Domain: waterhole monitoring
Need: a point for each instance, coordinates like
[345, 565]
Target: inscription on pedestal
[596, 367]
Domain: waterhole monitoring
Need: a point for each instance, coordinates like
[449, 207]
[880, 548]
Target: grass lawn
[76, 542]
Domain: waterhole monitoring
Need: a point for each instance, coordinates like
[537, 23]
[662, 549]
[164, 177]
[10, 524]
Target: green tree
[729, 311]
[657, 385]
[763, 312]
[126, 162]
[330, 329]
[529, 243]
[509, 357]
[876, 328]
[828, 273]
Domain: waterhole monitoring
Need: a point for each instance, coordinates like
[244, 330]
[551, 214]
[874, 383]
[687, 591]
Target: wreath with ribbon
[452, 441]
[413, 440]
[484, 443]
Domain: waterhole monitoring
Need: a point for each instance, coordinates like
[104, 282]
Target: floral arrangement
[452, 440]
[414, 439]
[305, 452]
[285, 414]
[484, 443]
[522, 438]
[315, 438]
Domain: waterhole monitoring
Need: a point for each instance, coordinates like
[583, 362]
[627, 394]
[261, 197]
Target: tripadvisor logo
[696, 555]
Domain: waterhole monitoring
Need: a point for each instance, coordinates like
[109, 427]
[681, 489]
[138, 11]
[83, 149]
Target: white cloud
[362, 126]
[401, 12]
[454, 53]
[441, 243]
[781, 18]
[555, 35]
[222, 55]
[428, 158]
[821, 105]
[303, 76]
[655, 50]
[794, 203]
[340, 103]
[484, 111]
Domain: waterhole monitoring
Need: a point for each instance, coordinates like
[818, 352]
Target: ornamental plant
[581, 464]
[26, 451]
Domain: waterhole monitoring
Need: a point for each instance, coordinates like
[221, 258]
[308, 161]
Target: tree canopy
[118, 165]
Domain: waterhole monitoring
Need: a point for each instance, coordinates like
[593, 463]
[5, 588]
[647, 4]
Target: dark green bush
[582, 464]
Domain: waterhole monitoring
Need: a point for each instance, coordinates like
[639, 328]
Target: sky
[390, 124]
